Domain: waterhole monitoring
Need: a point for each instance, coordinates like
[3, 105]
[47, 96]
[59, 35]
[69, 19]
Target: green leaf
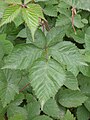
[1, 52]
[54, 36]
[16, 113]
[67, 54]
[84, 83]
[13, 1]
[10, 14]
[27, 1]
[22, 33]
[18, 99]
[87, 39]
[30, 98]
[33, 110]
[42, 117]
[39, 38]
[51, 10]
[31, 16]
[69, 98]
[71, 81]
[41, 0]
[52, 109]
[22, 56]
[68, 116]
[3, 6]
[83, 113]
[80, 4]
[85, 21]
[77, 21]
[87, 104]
[49, 2]
[7, 46]
[62, 20]
[2, 110]
[85, 70]
[46, 78]
[18, 20]
[64, 9]
[79, 37]
[8, 85]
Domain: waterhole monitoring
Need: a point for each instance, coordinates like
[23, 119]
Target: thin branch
[24, 87]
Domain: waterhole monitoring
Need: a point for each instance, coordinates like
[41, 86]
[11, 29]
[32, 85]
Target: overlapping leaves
[47, 65]
[49, 62]
[8, 86]
[31, 14]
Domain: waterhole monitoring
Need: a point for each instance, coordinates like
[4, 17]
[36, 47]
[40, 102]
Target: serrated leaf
[18, 113]
[62, 20]
[18, 99]
[1, 52]
[51, 10]
[7, 46]
[87, 104]
[8, 86]
[46, 77]
[22, 33]
[30, 98]
[27, 1]
[64, 9]
[13, 1]
[82, 113]
[79, 37]
[52, 109]
[2, 110]
[87, 39]
[85, 70]
[39, 38]
[84, 83]
[33, 109]
[67, 54]
[80, 4]
[22, 56]
[77, 21]
[10, 14]
[41, 0]
[68, 116]
[18, 20]
[42, 117]
[3, 6]
[54, 36]
[71, 81]
[31, 16]
[69, 98]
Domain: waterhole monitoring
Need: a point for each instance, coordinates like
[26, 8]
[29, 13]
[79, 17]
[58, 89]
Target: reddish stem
[24, 87]
[73, 15]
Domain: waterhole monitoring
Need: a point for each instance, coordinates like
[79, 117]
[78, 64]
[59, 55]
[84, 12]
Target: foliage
[44, 60]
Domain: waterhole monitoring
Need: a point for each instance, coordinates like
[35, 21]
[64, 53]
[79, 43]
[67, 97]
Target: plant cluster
[44, 59]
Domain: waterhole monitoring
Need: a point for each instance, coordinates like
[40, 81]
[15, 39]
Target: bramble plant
[44, 60]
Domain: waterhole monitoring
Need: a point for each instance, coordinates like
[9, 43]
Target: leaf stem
[24, 87]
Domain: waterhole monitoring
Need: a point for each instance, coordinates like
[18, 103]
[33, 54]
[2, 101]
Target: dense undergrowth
[44, 59]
